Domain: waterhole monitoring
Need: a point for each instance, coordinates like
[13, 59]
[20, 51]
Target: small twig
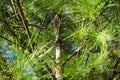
[5, 39]
[37, 26]
[9, 28]
[72, 55]
[50, 57]
[33, 25]
[117, 70]
[106, 17]
[50, 72]
[115, 67]
[21, 16]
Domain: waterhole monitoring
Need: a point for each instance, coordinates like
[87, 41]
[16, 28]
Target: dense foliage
[89, 36]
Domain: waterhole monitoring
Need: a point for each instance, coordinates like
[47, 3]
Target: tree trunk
[58, 48]
[58, 67]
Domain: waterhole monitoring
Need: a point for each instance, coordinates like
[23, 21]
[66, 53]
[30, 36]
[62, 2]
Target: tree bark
[57, 68]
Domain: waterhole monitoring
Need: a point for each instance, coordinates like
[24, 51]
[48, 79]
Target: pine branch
[72, 55]
[5, 39]
[114, 72]
[8, 27]
[21, 16]
[50, 72]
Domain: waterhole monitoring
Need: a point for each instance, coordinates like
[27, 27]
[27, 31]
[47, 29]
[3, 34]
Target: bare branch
[5, 39]
[72, 55]
[21, 16]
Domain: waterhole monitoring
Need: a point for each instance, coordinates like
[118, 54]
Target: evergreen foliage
[88, 33]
